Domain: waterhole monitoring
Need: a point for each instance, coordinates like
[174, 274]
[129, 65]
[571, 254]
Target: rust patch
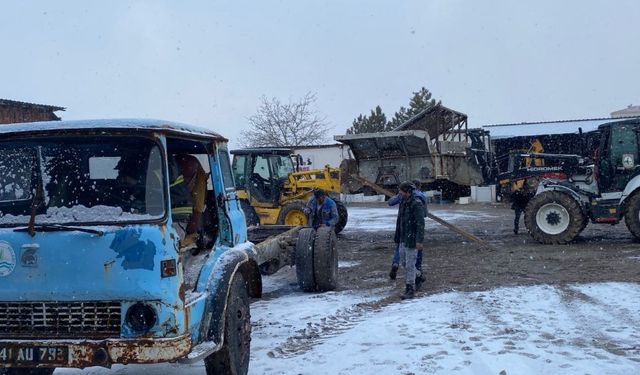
[108, 266]
[182, 292]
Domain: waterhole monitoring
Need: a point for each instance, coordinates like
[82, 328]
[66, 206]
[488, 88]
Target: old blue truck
[97, 262]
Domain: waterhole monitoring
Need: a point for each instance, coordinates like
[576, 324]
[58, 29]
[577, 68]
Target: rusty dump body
[90, 279]
[434, 145]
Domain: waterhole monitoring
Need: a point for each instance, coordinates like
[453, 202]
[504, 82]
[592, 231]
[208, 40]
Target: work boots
[409, 292]
[394, 272]
[419, 280]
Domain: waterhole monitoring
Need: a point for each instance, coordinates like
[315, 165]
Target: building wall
[630, 111]
[10, 115]
[318, 157]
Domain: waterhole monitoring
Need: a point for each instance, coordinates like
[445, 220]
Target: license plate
[34, 354]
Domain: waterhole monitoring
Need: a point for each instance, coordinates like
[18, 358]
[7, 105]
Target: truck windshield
[81, 180]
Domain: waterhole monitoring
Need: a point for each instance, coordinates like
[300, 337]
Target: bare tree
[278, 124]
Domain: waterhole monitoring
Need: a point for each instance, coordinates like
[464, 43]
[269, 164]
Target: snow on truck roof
[133, 125]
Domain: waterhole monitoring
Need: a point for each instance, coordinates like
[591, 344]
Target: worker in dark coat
[409, 234]
[395, 263]
[519, 200]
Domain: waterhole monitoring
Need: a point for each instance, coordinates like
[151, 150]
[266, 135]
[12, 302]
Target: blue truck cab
[97, 262]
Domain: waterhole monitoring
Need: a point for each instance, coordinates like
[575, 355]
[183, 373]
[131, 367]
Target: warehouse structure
[12, 111]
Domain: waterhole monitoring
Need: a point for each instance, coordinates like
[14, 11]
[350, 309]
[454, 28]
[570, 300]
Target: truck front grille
[88, 319]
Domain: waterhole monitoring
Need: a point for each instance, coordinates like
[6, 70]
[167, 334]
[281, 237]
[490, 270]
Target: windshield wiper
[38, 196]
[56, 228]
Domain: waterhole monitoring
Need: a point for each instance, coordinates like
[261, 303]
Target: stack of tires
[317, 259]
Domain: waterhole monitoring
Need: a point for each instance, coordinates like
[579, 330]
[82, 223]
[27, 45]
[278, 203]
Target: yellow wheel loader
[273, 192]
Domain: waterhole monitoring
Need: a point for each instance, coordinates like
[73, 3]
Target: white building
[630, 111]
[316, 157]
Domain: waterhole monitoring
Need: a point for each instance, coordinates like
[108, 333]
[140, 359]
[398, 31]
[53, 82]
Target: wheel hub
[553, 218]
[295, 218]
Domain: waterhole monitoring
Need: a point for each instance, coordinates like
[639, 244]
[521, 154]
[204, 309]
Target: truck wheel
[292, 213]
[554, 218]
[343, 216]
[27, 371]
[233, 357]
[304, 259]
[325, 260]
[632, 216]
[250, 215]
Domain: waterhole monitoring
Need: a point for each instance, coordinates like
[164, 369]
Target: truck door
[233, 226]
[623, 156]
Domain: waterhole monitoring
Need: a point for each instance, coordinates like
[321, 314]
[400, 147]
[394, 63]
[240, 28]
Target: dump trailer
[602, 190]
[388, 158]
[96, 266]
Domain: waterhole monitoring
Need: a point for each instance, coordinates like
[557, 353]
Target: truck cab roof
[263, 150]
[109, 125]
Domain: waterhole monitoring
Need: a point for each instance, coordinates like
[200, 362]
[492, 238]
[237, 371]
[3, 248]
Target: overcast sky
[208, 62]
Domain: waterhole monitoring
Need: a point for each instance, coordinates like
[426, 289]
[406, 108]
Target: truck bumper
[86, 353]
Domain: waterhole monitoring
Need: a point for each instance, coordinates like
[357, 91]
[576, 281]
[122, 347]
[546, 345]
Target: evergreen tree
[374, 123]
[420, 101]
[377, 121]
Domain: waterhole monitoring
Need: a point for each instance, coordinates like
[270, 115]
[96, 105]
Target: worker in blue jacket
[321, 210]
[422, 197]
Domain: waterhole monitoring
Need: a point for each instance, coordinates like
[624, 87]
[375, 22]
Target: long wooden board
[435, 218]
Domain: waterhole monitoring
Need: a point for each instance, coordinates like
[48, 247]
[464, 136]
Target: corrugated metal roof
[15, 103]
[436, 119]
[318, 146]
[106, 124]
[549, 127]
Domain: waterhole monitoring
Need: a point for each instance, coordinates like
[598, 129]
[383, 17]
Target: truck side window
[225, 165]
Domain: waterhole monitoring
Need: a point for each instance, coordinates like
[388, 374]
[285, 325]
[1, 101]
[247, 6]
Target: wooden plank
[433, 217]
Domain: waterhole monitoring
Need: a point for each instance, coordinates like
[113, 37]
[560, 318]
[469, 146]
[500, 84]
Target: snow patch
[77, 214]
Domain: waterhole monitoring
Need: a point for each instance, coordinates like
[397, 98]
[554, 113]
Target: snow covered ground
[561, 329]
[577, 329]
[524, 330]
[384, 218]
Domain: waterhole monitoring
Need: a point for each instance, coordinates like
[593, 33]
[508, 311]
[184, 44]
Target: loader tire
[304, 259]
[292, 213]
[554, 218]
[325, 260]
[250, 215]
[632, 216]
[343, 216]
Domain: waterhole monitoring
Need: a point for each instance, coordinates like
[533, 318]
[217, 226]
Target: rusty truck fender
[217, 292]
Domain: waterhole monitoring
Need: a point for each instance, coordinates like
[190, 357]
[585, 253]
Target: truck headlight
[141, 318]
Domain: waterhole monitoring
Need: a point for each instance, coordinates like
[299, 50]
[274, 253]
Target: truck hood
[121, 264]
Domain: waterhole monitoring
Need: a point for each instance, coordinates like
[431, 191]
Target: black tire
[343, 216]
[250, 215]
[632, 216]
[553, 217]
[325, 260]
[233, 357]
[294, 208]
[27, 371]
[304, 259]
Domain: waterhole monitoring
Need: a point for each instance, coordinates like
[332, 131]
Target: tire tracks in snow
[330, 326]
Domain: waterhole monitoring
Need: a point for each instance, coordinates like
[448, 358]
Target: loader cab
[262, 173]
[617, 155]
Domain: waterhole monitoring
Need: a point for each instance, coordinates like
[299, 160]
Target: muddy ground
[601, 253]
